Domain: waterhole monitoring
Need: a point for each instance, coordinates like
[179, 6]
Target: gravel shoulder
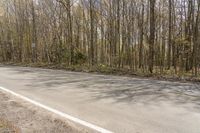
[7, 127]
[17, 116]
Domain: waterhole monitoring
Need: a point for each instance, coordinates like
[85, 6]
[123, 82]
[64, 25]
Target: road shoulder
[28, 118]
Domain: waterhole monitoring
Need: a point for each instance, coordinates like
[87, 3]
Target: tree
[152, 35]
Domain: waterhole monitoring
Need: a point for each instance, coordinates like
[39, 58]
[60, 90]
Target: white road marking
[69, 117]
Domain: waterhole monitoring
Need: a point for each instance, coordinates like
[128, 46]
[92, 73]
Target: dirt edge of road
[187, 79]
[19, 116]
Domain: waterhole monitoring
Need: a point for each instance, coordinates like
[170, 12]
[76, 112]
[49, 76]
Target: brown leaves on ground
[7, 127]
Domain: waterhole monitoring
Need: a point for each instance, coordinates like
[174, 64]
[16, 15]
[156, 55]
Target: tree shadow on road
[117, 89]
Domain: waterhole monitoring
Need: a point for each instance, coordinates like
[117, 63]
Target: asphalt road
[119, 104]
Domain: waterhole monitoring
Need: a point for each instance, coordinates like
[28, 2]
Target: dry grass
[8, 127]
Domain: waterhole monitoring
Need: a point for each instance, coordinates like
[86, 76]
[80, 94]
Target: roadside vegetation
[7, 127]
[159, 38]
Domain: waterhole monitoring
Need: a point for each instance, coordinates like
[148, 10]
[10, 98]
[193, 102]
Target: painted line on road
[69, 117]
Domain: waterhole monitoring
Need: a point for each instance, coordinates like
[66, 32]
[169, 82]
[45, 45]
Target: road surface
[119, 104]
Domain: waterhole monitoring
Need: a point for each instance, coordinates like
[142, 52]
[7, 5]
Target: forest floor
[16, 116]
[167, 75]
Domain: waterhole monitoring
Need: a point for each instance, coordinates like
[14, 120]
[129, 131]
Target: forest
[140, 36]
